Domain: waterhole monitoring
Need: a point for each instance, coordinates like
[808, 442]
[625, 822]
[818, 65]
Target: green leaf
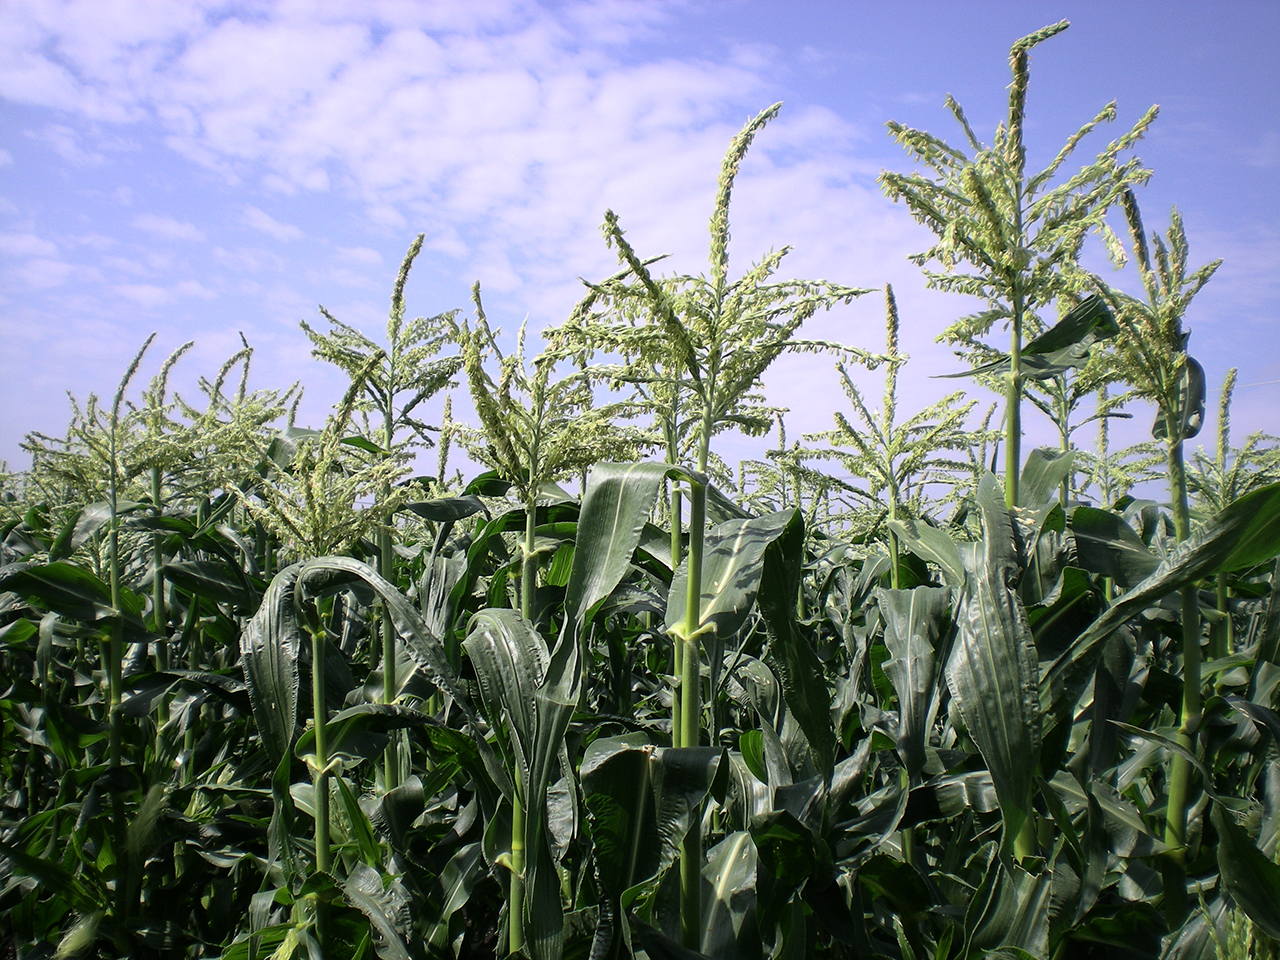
[1243, 535]
[1010, 911]
[929, 543]
[269, 645]
[81, 528]
[993, 667]
[789, 849]
[446, 510]
[729, 899]
[911, 627]
[536, 694]
[751, 745]
[791, 653]
[1252, 880]
[1106, 544]
[1089, 320]
[731, 569]
[1042, 475]
[55, 878]
[617, 502]
[67, 589]
[213, 580]
[1072, 606]
[1190, 401]
[363, 888]
[360, 732]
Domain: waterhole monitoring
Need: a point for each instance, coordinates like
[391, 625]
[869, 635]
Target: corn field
[269, 691]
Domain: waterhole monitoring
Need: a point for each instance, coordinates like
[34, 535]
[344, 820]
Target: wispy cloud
[152, 296]
[256, 218]
[167, 227]
[26, 245]
[66, 143]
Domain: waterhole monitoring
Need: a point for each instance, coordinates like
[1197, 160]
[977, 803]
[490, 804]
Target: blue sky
[202, 169]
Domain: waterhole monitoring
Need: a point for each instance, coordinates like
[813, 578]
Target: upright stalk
[320, 774]
[115, 679]
[386, 559]
[161, 617]
[515, 897]
[1175, 830]
[1013, 406]
[677, 554]
[691, 710]
[157, 577]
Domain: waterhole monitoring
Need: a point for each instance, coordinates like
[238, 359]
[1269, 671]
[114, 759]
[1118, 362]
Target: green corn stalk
[1151, 356]
[535, 429]
[115, 680]
[1014, 235]
[396, 380]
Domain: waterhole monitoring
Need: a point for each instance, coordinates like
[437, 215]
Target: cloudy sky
[203, 169]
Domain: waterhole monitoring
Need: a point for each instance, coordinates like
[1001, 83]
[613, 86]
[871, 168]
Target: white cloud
[151, 296]
[66, 143]
[6, 157]
[256, 218]
[361, 255]
[43, 273]
[167, 227]
[26, 245]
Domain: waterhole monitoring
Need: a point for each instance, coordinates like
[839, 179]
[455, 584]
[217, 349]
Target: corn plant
[900, 461]
[1013, 230]
[408, 372]
[1153, 358]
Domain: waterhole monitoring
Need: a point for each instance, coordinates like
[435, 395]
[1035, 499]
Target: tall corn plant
[1228, 475]
[396, 381]
[1009, 230]
[1151, 355]
[535, 430]
[899, 461]
[696, 348]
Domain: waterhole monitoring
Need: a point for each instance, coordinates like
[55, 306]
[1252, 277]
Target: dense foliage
[268, 691]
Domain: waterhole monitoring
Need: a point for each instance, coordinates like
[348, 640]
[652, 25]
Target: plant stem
[386, 559]
[515, 901]
[515, 898]
[677, 648]
[691, 709]
[1013, 405]
[320, 775]
[529, 561]
[1175, 833]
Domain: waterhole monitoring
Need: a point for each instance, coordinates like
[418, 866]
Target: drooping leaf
[791, 654]
[269, 646]
[1243, 535]
[617, 502]
[1251, 878]
[732, 566]
[993, 667]
[929, 543]
[1106, 544]
[912, 621]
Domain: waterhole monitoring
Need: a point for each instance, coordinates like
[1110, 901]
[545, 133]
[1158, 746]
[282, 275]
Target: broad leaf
[731, 569]
[791, 654]
[1243, 535]
[993, 667]
[1252, 880]
[1106, 544]
[618, 501]
[912, 620]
